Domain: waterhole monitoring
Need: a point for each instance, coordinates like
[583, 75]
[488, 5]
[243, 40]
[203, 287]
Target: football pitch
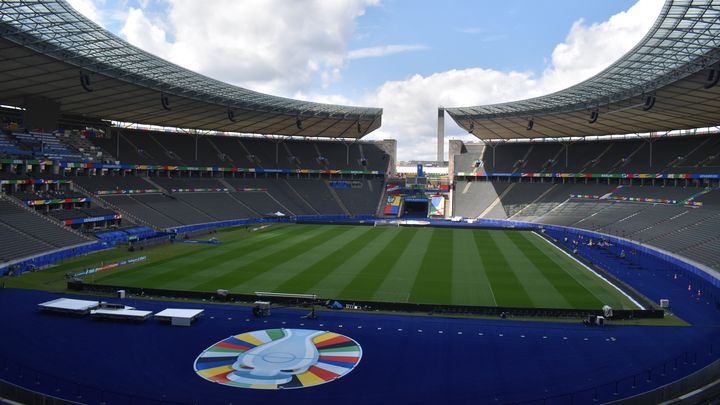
[392, 264]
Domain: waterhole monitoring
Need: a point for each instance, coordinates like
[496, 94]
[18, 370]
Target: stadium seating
[159, 148]
[25, 232]
[10, 148]
[169, 183]
[136, 208]
[318, 195]
[218, 206]
[676, 154]
[472, 198]
[260, 202]
[363, 200]
[110, 183]
[46, 145]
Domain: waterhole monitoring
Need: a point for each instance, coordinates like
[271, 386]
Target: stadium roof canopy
[664, 83]
[50, 51]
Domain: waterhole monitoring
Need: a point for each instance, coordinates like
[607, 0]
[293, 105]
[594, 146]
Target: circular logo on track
[279, 358]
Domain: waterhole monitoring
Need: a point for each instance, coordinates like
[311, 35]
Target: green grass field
[421, 265]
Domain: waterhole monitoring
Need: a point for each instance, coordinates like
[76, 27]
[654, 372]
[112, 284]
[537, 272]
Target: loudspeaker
[165, 101]
[85, 82]
[298, 123]
[713, 76]
[231, 115]
[530, 124]
[471, 128]
[648, 102]
[593, 116]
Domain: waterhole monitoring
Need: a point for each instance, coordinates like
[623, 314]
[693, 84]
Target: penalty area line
[600, 276]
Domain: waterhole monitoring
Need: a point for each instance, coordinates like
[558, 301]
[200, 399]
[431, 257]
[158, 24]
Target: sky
[406, 56]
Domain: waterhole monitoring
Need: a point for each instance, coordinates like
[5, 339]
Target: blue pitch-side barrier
[51, 258]
[199, 242]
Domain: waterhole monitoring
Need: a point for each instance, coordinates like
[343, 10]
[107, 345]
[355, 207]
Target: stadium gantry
[666, 82]
[51, 52]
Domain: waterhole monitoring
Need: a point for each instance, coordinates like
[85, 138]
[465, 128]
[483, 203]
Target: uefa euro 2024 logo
[279, 358]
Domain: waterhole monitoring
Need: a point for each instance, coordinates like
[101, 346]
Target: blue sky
[408, 57]
[503, 35]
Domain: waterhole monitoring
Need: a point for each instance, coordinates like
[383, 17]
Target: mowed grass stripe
[541, 291]
[470, 285]
[598, 287]
[509, 292]
[272, 255]
[273, 276]
[309, 277]
[370, 277]
[335, 281]
[396, 286]
[434, 280]
[171, 272]
[179, 271]
[574, 293]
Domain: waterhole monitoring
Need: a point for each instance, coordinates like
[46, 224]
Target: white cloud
[88, 9]
[141, 32]
[410, 105]
[273, 46]
[378, 51]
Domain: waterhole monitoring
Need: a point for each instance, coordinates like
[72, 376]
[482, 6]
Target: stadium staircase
[532, 204]
[225, 184]
[319, 154]
[194, 208]
[154, 184]
[380, 211]
[300, 197]
[232, 195]
[497, 201]
[593, 162]
[337, 198]
[224, 157]
[106, 204]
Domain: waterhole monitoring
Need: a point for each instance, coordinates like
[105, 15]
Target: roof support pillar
[196, 146]
[41, 113]
[441, 135]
